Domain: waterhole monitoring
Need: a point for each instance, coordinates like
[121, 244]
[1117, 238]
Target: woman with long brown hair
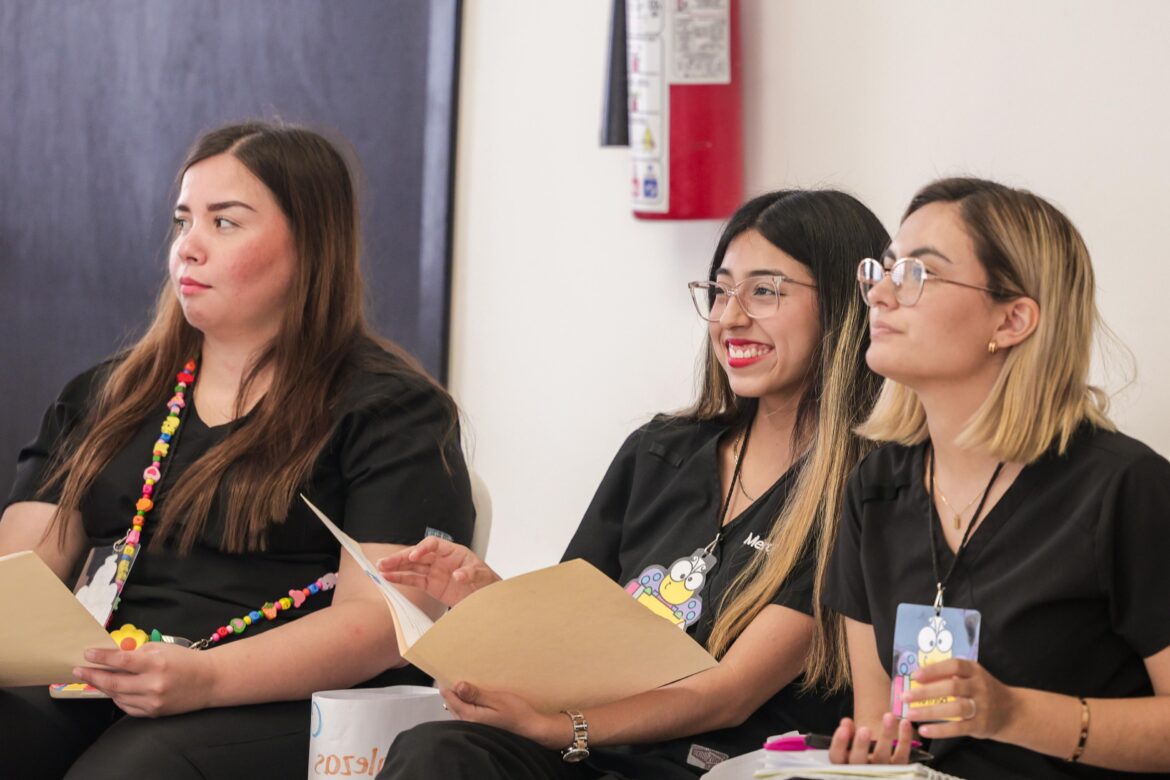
[176, 466]
[719, 519]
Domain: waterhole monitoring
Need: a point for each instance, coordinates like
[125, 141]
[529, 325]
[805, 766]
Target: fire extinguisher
[684, 108]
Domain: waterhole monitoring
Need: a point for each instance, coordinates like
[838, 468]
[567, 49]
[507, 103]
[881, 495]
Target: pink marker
[798, 742]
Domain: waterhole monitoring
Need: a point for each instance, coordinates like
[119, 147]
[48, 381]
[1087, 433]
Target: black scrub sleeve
[797, 590]
[599, 536]
[391, 457]
[1132, 545]
[60, 420]
[844, 589]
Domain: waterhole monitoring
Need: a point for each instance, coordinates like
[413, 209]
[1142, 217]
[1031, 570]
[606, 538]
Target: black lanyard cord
[942, 582]
[726, 505]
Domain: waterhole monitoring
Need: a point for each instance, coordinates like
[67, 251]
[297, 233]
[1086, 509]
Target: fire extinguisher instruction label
[701, 42]
[647, 44]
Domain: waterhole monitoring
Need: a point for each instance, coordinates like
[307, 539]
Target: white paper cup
[350, 731]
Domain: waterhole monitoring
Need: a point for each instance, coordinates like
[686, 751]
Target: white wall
[571, 323]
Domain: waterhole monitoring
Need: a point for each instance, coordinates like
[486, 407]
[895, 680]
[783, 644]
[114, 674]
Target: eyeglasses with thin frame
[909, 277]
[758, 296]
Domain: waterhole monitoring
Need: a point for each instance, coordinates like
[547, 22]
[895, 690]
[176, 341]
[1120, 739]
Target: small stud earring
[992, 347]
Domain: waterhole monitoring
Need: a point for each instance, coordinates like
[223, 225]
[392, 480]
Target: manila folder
[47, 630]
[562, 637]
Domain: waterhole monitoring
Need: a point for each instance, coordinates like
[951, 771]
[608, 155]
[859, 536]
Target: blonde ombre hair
[828, 232]
[1028, 248]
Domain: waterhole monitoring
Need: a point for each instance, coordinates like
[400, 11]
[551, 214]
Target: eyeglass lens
[907, 275]
[758, 297]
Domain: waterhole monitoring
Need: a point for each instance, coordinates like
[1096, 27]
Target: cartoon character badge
[674, 594]
[924, 635]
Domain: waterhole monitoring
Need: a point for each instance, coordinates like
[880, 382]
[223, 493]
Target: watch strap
[578, 749]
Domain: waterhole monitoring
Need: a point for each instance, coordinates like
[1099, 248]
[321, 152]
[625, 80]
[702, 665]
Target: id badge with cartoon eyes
[674, 593]
[922, 637]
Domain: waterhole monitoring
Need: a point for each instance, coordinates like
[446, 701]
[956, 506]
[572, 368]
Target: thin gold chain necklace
[956, 517]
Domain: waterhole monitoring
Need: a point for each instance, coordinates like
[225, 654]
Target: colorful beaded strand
[128, 636]
[269, 611]
[152, 474]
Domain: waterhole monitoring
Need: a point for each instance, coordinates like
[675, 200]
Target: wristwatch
[578, 749]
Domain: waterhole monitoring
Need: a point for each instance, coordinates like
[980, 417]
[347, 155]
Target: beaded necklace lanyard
[130, 637]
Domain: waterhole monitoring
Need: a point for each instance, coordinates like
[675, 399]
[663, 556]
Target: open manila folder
[565, 636]
[46, 629]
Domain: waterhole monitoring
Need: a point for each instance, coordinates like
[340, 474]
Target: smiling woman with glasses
[1002, 559]
[719, 519]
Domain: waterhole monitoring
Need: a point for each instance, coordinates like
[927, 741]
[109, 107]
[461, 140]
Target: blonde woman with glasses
[1003, 562]
[719, 519]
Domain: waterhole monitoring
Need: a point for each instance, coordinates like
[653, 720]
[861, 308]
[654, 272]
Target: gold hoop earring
[992, 347]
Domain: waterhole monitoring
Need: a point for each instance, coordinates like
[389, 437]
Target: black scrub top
[1070, 571]
[659, 502]
[381, 478]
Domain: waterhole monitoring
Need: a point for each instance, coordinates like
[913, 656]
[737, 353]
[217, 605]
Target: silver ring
[974, 709]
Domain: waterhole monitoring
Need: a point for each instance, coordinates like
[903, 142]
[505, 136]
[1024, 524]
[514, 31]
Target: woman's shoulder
[1114, 444]
[1103, 451]
[674, 438]
[83, 389]
[381, 381]
[889, 464]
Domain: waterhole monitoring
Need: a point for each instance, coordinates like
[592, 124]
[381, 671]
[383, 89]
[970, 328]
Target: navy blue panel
[100, 100]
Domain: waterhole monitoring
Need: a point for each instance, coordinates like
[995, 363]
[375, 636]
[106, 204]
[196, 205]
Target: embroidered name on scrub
[674, 594]
[756, 541]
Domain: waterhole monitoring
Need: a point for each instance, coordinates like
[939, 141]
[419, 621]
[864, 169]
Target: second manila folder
[561, 637]
[565, 636]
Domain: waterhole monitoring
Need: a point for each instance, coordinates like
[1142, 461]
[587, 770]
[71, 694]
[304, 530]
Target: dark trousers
[455, 749]
[82, 739]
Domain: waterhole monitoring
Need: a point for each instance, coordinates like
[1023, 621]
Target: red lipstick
[742, 353]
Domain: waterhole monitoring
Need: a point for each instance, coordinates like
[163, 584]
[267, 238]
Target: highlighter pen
[800, 742]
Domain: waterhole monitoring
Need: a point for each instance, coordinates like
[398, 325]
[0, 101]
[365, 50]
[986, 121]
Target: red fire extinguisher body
[705, 148]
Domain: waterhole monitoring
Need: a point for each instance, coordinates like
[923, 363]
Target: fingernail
[77, 671]
[91, 655]
[887, 719]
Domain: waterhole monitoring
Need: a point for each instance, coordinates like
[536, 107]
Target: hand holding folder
[46, 629]
[564, 636]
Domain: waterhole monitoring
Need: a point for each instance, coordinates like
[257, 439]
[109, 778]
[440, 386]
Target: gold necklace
[956, 517]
